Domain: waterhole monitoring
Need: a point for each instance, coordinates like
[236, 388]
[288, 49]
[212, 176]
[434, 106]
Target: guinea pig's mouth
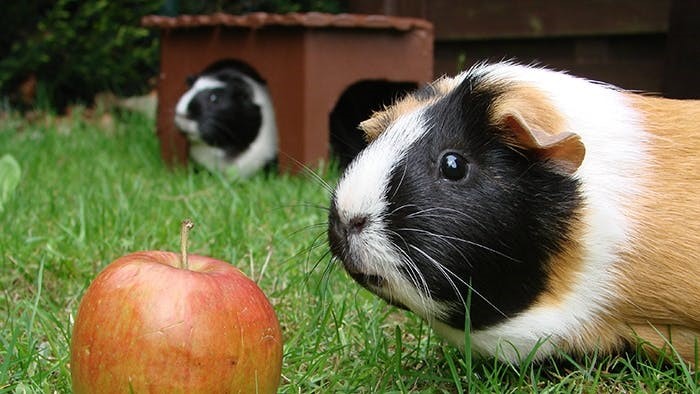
[376, 284]
[186, 125]
[367, 279]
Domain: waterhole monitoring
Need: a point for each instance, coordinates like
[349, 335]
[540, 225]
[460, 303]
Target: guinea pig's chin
[377, 285]
[397, 290]
[357, 270]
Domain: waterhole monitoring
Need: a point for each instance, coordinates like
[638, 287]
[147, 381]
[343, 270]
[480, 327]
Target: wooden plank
[682, 76]
[498, 19]
[631, 62]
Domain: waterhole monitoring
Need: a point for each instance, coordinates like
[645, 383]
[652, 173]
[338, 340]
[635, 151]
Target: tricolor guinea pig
[533, 208]
[228, 117]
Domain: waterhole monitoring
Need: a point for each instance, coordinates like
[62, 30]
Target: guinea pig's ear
[529, 120]
[564, 149]
[381, 120]
[190, 80]
[372, 127]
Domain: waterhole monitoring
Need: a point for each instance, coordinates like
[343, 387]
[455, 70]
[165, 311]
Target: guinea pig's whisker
[395, 210]
[405, 166]
[445, 271]
[449, 210]
[442, 236]
[327, 269]
[314, 245]
[421, 284]
[322, 284]
[311, 173]
[319, 179]
[301, 205]
[400, 237]
[307, 251]
[415, 275]
[412, 264]
[304, 251]
[309, 227]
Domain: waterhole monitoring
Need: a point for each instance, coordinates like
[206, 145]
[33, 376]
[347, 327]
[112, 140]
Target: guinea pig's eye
[213, 98]
[453, 166]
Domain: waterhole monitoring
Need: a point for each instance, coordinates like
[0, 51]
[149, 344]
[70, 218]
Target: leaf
[10, 174]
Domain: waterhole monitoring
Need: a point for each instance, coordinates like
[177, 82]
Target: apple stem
[187, 225]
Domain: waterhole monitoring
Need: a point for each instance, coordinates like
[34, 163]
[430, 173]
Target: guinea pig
[228, 117]
[541, 212]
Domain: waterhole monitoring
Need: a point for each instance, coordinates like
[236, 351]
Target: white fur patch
[611, 174]
[264, 148]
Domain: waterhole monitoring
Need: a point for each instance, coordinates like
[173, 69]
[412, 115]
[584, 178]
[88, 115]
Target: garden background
[82, 183]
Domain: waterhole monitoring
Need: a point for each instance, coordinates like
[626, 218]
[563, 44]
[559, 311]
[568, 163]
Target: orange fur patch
[536, 108]
[660, 274]
[380, 121]
[655, 340]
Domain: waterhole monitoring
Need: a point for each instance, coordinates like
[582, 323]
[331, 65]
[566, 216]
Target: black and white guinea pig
[229, 120]
[536, 209]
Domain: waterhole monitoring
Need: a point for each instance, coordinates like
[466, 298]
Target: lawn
[91, 191]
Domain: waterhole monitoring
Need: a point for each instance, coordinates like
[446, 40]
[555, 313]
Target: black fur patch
[492, 231]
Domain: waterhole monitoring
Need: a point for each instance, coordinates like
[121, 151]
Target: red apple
[148, 325]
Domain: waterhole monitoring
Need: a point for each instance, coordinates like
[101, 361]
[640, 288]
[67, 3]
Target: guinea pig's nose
[357, 224]
[340, 228]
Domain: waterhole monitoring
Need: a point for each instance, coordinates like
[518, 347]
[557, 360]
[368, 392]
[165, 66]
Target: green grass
[88, 195]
